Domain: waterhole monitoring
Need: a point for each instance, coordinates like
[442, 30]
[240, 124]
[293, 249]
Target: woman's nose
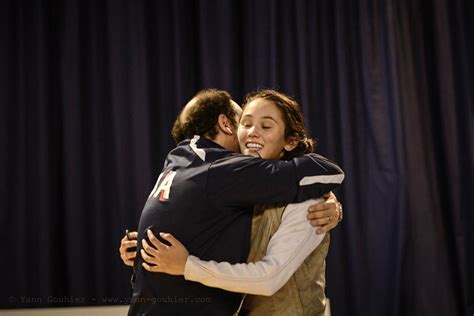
[253, 132]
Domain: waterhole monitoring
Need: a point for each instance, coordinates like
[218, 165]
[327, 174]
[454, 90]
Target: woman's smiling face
[261, 130]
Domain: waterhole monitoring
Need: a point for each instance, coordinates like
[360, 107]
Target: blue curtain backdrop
[89, 91]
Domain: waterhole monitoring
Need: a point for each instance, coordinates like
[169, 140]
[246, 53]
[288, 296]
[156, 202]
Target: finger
[124, 245]
[150, 268]
[129, 244]
[148, 258]
[325, 228]
[149, 249]
[320, 206]
[158, 244]
[128, 261]
[130, 255]
[330, 212]
[328, 205]
[319, 214]
[170, 238]
[132, 235]
[321, 221]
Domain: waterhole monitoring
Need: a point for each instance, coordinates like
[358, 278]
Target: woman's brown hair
[293, 119]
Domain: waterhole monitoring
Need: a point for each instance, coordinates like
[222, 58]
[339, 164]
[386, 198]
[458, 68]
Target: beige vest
[303, 294]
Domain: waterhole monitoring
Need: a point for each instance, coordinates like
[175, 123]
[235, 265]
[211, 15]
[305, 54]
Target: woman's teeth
[254, 146]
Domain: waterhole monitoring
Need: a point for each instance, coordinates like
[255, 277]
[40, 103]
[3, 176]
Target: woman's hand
[325, 215]
[128, 241]
[164, 258]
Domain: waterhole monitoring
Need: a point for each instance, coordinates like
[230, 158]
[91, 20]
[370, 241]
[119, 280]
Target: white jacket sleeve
[294, 240]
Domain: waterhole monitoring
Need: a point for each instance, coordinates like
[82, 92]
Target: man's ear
[224, 124]
[291, 143]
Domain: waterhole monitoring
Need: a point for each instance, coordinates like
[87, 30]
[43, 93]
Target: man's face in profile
[238, 113]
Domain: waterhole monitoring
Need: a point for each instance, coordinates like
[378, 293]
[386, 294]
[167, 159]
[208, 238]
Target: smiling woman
[261, 131]
[286, 269]
[272, 127]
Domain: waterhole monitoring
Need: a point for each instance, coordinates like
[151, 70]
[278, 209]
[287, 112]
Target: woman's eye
[266, 127]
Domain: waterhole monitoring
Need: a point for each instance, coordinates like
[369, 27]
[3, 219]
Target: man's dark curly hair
[201, 117]
[292, 117]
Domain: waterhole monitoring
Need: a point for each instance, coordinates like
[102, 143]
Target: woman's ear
[291, 143]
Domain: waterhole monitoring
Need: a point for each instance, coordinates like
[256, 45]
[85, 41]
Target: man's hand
[127, 242]
[164, 258]
[325, 215]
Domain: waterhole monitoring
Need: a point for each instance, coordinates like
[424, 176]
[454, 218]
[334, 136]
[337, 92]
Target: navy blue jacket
[204, 197]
